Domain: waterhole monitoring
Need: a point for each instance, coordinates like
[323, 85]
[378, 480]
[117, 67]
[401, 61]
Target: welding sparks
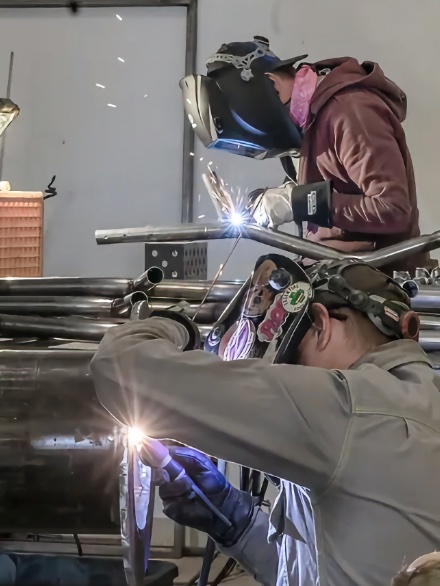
[111, 105]
[100, 85]
[229, 206]
[135, 436]
[121, 60]
[118, 17]
[236, 218]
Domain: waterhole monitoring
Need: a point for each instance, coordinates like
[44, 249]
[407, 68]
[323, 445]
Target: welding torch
[154, 454]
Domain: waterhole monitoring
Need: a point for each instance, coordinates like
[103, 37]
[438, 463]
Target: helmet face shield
[243, 117]
[268, 317]
[213, 122]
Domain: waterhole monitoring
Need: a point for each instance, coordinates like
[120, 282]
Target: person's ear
[274, 78]
[322, 324]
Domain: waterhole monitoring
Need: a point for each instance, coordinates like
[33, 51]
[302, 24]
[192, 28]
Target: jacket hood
[347, 72]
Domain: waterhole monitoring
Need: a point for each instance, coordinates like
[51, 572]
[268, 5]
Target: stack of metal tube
[82, 309]
[424, 290]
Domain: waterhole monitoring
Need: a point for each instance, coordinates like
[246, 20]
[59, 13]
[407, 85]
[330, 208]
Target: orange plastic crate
[21, 234]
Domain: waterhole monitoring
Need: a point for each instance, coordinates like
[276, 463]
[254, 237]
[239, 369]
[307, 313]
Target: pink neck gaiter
[304, 87]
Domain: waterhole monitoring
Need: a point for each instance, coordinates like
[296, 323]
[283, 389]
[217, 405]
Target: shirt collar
[394, 354]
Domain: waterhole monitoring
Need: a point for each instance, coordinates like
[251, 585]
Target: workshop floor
[189, 566]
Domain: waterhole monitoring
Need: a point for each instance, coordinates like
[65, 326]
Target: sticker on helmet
[296, 296]
[238, 341]
[260, 296]
[272, 325]
[390, 313]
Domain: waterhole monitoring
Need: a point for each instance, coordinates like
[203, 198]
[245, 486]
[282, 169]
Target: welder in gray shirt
[343, 405]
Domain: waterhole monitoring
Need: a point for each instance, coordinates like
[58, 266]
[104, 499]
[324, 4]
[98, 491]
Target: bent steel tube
[204, 232]
[286, 242]
[390, 254]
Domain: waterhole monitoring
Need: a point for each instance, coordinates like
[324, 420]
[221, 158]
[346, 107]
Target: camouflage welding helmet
[358, 285]
[268, 317]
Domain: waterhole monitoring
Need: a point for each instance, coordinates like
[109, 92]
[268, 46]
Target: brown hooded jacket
[354, 137]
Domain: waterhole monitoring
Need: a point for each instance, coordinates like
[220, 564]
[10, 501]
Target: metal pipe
[97, 287]
[195, 290]
[430, 322]
[115, 288]
[191, 232]
[286, 242]
[427, 299]
[429, 340]
[60, 306]
[67, 328]
[391, 254]
[149, 279]
[208, 313]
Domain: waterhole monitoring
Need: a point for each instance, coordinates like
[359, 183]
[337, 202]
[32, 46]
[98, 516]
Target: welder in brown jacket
[355, 189]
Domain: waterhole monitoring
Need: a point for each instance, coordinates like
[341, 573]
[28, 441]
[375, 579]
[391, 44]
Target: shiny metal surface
[136, 502]
[67, 328]
[427, 299]
[430, 322]
[429, 340]
[59, 462]
[151, 277]
[402, 250]
[273, 238]
[64, 305]
[205, 232]
[195, 290]
[54, 286]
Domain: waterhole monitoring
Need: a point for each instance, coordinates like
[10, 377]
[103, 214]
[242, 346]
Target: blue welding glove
[185, 508]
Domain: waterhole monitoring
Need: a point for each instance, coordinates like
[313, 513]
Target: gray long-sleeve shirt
[361, 447]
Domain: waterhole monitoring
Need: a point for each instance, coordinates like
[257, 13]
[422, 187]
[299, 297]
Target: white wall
[115, 166]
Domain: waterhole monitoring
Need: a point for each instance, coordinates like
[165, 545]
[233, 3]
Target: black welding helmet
[268, 317]
[236, 108]
[360, 286]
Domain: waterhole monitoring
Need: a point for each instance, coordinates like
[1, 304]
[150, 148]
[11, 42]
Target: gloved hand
[182, 505]
[303, 203]
[272, 207]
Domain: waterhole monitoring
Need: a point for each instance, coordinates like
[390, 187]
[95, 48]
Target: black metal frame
[187, 210]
